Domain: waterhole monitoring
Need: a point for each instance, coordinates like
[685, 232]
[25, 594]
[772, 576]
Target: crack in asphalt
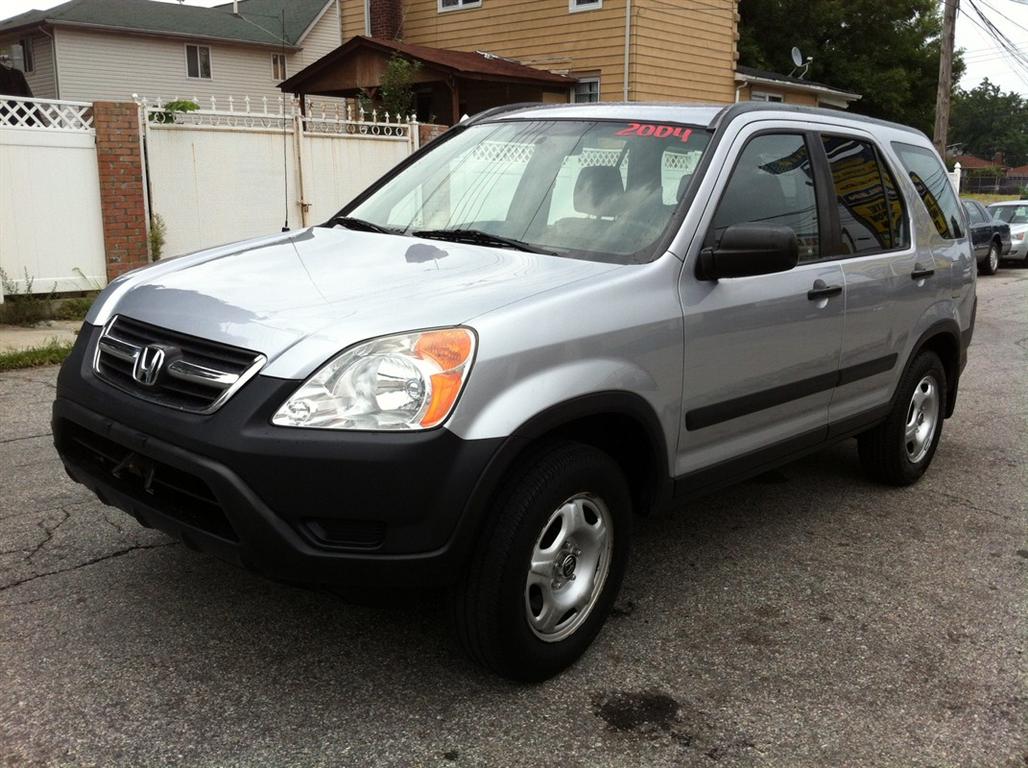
[103, 513]
[94, 561]
[31, 381]
[49, 533]
[25, 437]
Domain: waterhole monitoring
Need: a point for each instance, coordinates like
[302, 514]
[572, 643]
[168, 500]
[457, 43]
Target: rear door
[872, 243]
[900, 237]
[761, 353]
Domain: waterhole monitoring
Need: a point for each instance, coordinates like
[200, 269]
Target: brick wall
[386, 19]
[120, 158]
[429, 132]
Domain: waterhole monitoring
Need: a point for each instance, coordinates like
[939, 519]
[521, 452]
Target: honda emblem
[148, 365]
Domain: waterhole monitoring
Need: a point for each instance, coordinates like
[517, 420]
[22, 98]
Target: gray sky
[983, 57]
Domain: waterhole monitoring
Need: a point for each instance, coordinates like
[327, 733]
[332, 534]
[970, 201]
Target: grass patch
[986, 199]
[52, 353]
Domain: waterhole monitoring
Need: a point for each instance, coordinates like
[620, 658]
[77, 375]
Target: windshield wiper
[359, 224]
[478, 237]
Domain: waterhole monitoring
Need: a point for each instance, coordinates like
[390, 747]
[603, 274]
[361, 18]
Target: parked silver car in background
[1014, 213]
[548, 321]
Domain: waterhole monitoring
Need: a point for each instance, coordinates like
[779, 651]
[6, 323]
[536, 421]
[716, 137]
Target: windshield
[601, 190]
[1011, 214]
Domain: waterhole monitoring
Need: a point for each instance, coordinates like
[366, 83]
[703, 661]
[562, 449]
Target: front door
[761, 353]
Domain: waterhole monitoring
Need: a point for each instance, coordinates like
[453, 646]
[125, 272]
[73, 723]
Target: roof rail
[733, 111]
[485, 115]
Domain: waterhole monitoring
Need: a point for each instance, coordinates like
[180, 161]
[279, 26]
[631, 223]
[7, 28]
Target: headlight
[1018, 235]
[409, 381]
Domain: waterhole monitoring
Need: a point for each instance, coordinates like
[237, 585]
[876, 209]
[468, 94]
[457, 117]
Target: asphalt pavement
[805, 618]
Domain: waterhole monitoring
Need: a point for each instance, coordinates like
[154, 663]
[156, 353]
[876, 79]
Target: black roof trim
[732, 111]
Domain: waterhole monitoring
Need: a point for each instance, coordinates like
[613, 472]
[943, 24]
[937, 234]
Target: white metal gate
[219, 175]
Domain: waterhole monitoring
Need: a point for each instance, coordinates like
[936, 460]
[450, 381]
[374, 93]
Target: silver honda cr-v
[545, 322]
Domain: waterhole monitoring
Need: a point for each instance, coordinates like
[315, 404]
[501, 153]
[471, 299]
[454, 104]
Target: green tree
[985, 121]
[886, 51]
[397, 91]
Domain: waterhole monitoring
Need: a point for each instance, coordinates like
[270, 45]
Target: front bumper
[1018, 250]
[309, 506]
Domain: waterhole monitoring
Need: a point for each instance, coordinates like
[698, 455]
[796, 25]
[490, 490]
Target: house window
[198, 62]
[28, 60]
[456, 5]
[777, 98]
[584, 5]
[587, 91]
[278, 67]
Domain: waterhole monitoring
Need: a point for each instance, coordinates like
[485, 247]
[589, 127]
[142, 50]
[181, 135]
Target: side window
[897, 207]
[933, 187]
[973, 214]
[869, 207]
[772, 183]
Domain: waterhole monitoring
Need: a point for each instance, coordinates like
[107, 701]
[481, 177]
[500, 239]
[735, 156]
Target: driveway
[804, 618]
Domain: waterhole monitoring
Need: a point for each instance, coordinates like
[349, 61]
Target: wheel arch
[942, 338]
[620, 423]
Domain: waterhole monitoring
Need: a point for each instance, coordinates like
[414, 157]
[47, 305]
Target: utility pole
[942, 96]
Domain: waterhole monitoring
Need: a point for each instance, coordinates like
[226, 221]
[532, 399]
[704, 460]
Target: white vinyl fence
[219, 175]
[50, 222]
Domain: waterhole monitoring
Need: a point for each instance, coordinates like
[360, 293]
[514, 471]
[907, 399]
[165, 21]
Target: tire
[501, 614]
[990, 264]
[899, 450]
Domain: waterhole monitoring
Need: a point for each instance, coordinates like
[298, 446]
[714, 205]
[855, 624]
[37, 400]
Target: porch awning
[359, 63]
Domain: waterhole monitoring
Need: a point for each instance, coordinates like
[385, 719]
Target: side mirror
[750, 249]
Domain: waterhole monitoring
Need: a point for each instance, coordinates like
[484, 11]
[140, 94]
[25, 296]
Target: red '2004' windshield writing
[657, 131]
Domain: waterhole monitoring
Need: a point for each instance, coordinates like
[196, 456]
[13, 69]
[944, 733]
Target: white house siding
[41, 78]
[324, 38]
[96, 65]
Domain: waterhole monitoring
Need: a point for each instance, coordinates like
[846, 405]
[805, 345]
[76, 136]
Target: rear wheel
[990, 265]
[899, 450]
[545, 575]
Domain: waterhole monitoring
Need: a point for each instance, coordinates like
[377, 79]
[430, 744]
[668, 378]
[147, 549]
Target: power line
[1011, 53]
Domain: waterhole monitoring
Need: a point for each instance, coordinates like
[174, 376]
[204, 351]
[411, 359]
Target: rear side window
[870, 211]
[933, 187]
[772, 183]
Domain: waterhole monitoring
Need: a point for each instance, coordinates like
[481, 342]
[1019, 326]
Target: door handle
[822, 290]
[920, 273]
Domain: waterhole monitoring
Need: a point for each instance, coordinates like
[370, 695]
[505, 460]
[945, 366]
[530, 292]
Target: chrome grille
[171, 368]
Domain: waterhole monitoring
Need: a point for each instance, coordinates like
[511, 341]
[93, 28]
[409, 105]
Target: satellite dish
[797, 57]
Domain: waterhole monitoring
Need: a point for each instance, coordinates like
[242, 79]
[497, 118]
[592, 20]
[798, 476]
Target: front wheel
[545, 574]
[899, 450]
[990, 265]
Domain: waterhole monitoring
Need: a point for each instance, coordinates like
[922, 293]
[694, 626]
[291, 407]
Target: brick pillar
[386, 19]
[120, 158]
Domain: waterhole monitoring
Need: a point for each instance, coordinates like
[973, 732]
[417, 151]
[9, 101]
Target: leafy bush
[72, 309]
[21, 307]
[158, 236]
[170, 108]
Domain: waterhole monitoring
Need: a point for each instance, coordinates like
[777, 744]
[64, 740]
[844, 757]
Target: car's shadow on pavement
[208, 620]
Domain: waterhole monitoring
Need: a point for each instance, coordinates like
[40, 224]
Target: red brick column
[122, 201]
[386, 19]
[430, 132]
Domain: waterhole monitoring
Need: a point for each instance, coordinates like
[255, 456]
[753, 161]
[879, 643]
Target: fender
[552, 421]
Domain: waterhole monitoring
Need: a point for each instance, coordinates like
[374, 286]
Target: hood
[301, 298]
